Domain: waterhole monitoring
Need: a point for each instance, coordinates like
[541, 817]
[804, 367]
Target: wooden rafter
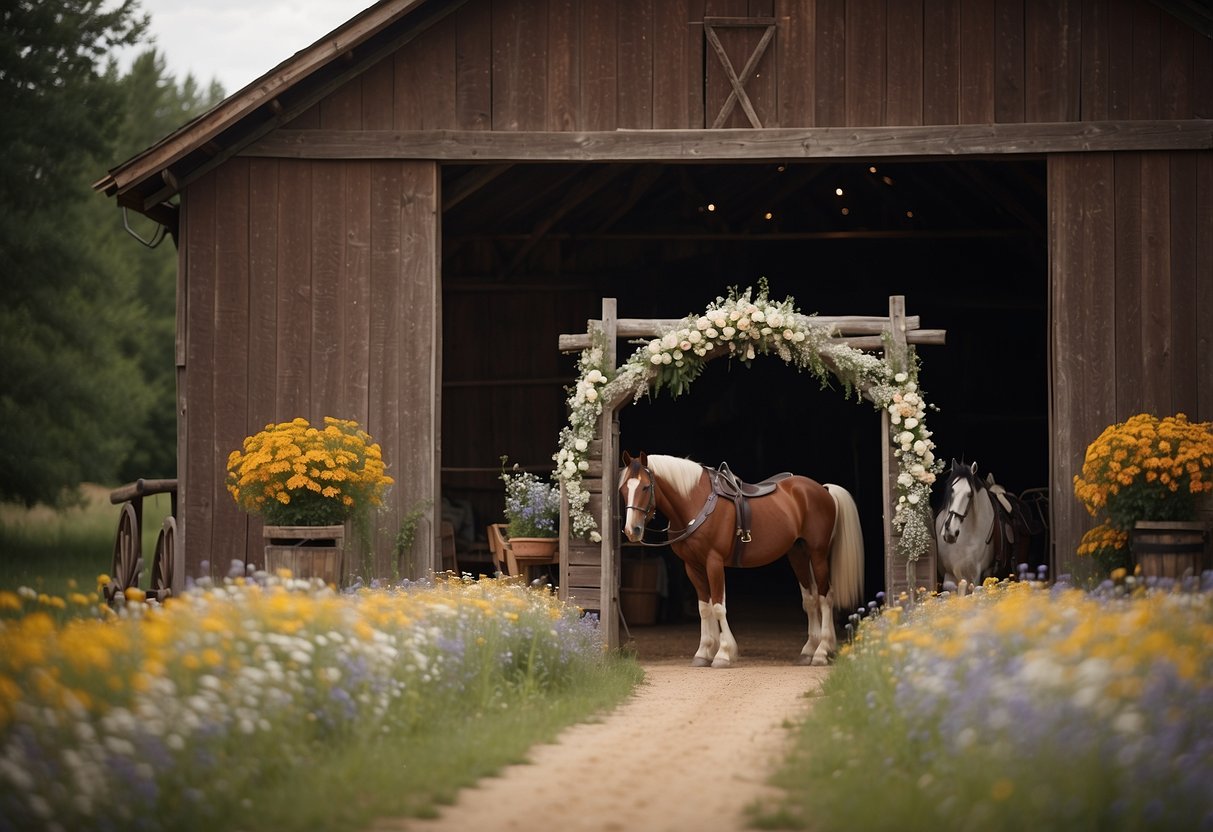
[738, 95]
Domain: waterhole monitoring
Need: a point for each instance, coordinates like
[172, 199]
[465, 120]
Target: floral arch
[743, 326]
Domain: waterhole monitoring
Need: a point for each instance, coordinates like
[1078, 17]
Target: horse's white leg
[727, 654]
[829, 638]
[812, 611]
[709, 636]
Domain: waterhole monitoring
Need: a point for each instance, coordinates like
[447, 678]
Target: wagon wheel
[128, 562]
[162, 561]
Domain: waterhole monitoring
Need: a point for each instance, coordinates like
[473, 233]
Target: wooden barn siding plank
[420, 367]
[294, 290]
[520, 64]
[829, 91]
[379, 95]
[634, 59]
[796, 57]
[599, 69]
[1053, 58]
[865, 62]
[263, 312]
[342, 108]
[695, 44]
[1120, 58]
[941, 62]
[425, 80]
[1202, 78]
[1204, 287]
[1177, 68]
[976, 65]
[1009, 61]
[327, 257]
[1157, 337]
[1146, 82]
[1094, 74]
[387, 331]
[564, 65]
[355, 298]
[197, 503]
[905, 32]
[1184, 380]
[474, 67]
[231, 362]
[673, 80]
[1081, 238]
[1127, 322]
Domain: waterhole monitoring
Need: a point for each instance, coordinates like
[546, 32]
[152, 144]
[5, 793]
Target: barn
[397, 224]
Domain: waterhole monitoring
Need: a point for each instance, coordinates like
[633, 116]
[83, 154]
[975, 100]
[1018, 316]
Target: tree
[81, 317]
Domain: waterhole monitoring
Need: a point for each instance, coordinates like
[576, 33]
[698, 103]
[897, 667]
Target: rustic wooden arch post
[589, 572]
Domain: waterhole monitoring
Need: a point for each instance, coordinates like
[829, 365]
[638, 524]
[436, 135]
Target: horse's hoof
[699, 661]
[719, 663]
[804, 661]
[820, 661]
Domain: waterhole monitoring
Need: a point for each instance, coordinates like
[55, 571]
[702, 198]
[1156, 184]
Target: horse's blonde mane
[681, 475]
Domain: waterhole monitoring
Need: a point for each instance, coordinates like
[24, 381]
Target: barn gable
[362, 229]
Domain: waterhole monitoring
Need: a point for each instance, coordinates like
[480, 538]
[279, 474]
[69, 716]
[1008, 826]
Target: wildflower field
[1019, 707]
[268, 703]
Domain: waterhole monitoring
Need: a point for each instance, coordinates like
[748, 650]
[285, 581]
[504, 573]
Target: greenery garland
[744, 326]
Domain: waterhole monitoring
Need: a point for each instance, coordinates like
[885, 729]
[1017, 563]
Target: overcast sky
[237, 41]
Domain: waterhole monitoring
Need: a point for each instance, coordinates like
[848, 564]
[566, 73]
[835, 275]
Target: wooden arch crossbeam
[738, 81]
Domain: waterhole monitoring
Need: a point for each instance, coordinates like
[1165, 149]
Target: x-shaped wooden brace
[738, 82]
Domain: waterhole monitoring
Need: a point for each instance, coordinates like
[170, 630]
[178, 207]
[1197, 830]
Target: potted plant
[305, 482]
[532, 512]
[1142, 477]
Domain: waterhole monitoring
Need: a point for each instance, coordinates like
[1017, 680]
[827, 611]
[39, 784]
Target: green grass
[373, 779]
[55, 550]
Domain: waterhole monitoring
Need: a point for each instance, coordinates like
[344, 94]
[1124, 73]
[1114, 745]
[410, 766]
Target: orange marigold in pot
[294, 474]
[1147, 468]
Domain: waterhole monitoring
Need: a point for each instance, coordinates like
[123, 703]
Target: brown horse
[816, 526]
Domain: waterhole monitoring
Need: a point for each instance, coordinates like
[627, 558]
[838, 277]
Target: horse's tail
[846, 551]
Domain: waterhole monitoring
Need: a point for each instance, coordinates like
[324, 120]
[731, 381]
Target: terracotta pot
[533, 547]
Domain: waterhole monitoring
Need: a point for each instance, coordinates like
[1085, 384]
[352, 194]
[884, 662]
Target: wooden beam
[932, 141]
[844, 325]
[470, 183]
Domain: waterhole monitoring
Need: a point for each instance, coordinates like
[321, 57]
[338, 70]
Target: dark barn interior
[539, 246]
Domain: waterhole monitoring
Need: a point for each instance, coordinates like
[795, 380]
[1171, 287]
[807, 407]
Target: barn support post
[608, 429]
[900, 573]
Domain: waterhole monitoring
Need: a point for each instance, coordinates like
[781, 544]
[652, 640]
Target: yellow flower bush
[1106, 545]
[294, 474]
[1146, 468]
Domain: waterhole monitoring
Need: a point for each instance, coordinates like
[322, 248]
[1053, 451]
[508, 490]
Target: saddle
[728, 485]
[1013, 525]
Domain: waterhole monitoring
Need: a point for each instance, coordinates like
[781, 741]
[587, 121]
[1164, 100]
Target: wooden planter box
[307, 551]
[1169, 549]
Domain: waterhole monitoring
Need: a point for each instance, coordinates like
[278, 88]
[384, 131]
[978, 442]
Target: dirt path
[690, 750]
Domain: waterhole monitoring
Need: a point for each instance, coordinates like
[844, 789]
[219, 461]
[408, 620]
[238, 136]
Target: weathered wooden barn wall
[563, 65]
[307, 289]
[311, 235]
[1132, 296]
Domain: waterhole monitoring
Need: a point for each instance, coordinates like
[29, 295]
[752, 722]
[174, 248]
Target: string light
[846, 211]
[838, 191]
[711, 206]
[768, 215]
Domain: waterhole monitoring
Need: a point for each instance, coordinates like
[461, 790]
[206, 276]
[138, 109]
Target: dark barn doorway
[537, 247]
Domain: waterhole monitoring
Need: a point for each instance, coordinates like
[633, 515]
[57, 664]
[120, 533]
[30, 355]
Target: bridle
[649, 509]
[974, 488]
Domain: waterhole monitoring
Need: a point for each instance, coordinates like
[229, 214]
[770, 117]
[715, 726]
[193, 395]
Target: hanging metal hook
[157, 238]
